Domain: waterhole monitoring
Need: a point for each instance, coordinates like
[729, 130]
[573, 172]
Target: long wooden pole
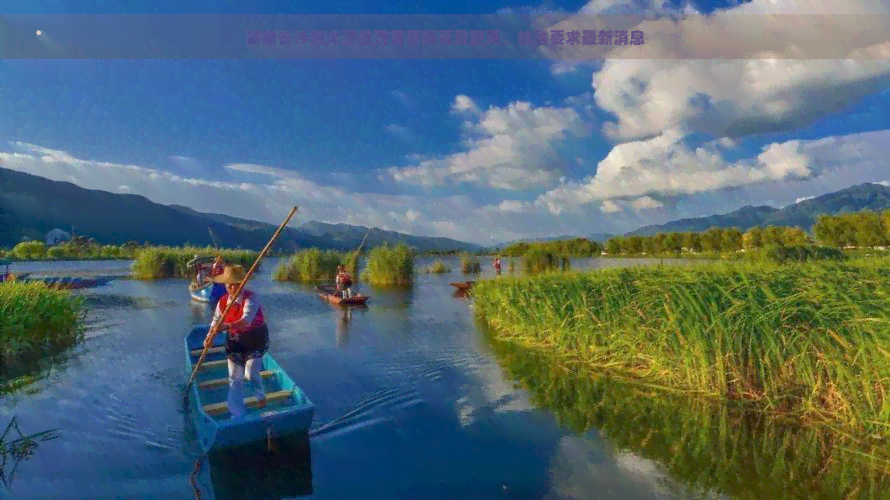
[232, 299]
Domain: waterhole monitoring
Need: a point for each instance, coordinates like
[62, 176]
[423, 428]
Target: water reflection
[708, 448]
[259, 471]
[343, 320]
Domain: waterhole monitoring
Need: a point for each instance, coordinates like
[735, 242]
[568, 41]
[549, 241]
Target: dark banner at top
[502, 36]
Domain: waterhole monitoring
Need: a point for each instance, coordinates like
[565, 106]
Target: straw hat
[231, 275]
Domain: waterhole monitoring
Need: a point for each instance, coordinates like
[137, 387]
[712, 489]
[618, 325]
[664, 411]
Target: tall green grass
[168, 262]
[540, 260]
[314, 265]
[709, 448]
[470, 264]
[437, 267]
[809, 341]
[390, 266]
[33, 317]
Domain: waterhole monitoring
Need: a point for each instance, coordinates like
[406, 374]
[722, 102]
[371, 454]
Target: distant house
[57, 236]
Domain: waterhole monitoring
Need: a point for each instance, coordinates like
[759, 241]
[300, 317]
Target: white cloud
[671, 81]
[463, 104]
[783, 173]
[669, 165]
[515, 150]
[803, 198]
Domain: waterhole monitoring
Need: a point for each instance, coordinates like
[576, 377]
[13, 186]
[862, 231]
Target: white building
[56, 236]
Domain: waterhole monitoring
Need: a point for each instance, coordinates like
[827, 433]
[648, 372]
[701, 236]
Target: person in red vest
[497, 265]
[344, 282]
[247, 340]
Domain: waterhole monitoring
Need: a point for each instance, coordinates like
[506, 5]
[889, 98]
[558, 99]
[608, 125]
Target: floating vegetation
[16, 450]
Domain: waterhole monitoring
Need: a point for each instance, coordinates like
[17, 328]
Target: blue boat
[287, 411]
[209, 294]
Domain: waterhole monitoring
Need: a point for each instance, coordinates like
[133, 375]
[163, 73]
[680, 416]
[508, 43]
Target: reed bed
[390, 266]
[314, 265]
[170, 262]
[708, 448]
[469, 264]
[541, 260]
[438, 267]
[33, 317]
[808, 341]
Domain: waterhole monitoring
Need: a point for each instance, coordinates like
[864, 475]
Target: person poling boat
[247, 340]
[344, 283]
[497, 265]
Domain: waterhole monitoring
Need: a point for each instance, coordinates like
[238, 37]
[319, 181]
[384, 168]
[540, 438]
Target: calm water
[411, 402]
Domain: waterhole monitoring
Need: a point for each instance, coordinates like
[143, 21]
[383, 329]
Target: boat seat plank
[212, 350]
[220, 382]
[223, 408]
[213, 365]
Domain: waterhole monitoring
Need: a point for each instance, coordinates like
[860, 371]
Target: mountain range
[868, 196]
[31, 206]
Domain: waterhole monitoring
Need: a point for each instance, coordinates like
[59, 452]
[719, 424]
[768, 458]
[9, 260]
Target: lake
[412, 402]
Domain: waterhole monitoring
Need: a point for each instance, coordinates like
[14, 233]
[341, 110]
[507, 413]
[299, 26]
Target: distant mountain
[804, 214]
[31, 206]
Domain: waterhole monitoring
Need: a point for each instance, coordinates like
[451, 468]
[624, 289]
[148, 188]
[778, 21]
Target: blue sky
[478, 150]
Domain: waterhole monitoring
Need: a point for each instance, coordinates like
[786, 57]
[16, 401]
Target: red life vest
[217, 269]
[345, 280]
[237, 310]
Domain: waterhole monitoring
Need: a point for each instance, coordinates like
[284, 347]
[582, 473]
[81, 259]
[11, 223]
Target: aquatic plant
[438, 267]
[706, 447]
[470, 264]
[390, 266]
[15, 450]
[33, 317]
[809, 341]
[539, 260]
[314, 265]
[171, 262]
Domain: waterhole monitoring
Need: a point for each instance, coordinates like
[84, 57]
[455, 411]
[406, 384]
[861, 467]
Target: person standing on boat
[497, 265]
[219, 265]
[247, 340]
[344, 283]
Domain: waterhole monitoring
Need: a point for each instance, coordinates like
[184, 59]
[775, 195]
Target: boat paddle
[232, 300]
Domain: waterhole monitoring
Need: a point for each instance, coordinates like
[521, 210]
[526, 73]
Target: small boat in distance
[208, 294]
[288, 411]
[330, 294]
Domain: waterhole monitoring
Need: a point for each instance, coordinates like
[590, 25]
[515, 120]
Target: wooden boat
[462, 285]
[287, 411]
[208, 294]
[329, 294]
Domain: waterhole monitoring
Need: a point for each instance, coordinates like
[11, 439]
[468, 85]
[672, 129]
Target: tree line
[865, 229]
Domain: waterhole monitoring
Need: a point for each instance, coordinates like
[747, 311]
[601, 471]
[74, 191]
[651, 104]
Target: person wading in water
[247, 340]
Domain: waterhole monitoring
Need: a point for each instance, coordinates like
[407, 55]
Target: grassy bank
[390, 266]
[808, 341]
[167, 262]
[706, 447]
[35, 317]
[314, 265]
[38, 251]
